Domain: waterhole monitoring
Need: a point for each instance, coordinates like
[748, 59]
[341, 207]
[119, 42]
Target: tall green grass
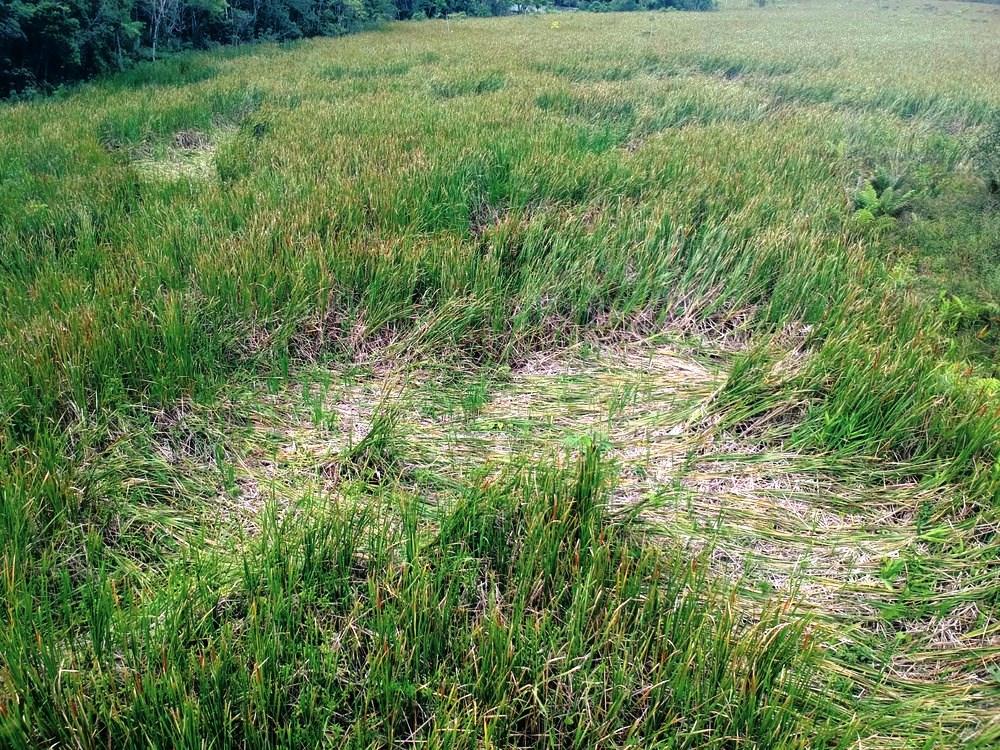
[602, 176]
[527, 617]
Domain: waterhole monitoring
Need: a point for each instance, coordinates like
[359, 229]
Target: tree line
[44, 43]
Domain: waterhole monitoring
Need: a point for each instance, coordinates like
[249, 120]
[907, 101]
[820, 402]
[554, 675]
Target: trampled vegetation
[619, 380]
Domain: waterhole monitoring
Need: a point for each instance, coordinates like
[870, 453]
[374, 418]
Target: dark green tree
[44, 43]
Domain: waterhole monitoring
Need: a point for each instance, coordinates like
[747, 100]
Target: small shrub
[883, 196]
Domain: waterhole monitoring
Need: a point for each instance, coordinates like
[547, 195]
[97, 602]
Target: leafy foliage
[882, 196]
[48, 42]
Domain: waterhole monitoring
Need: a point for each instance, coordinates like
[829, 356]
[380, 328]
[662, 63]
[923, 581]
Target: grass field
[571, 380]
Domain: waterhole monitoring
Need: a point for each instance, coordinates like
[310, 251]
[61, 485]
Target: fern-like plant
[883, 195]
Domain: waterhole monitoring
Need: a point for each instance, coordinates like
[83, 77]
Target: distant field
[565, 380]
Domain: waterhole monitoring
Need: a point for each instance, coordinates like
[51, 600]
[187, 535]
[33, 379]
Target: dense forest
[44, 43]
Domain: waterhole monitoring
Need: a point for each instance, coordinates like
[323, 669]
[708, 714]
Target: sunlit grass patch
[189, 156]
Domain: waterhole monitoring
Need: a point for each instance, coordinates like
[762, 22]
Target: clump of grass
[597, 71]
[974, 322]
[472, 85]
[382, 70]
[735, 67]
[524, 610]
[592, 107]
[988, 153]
[145, 126]
[701, 104]
[377, 456]
[178, 70]
[797, 91]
